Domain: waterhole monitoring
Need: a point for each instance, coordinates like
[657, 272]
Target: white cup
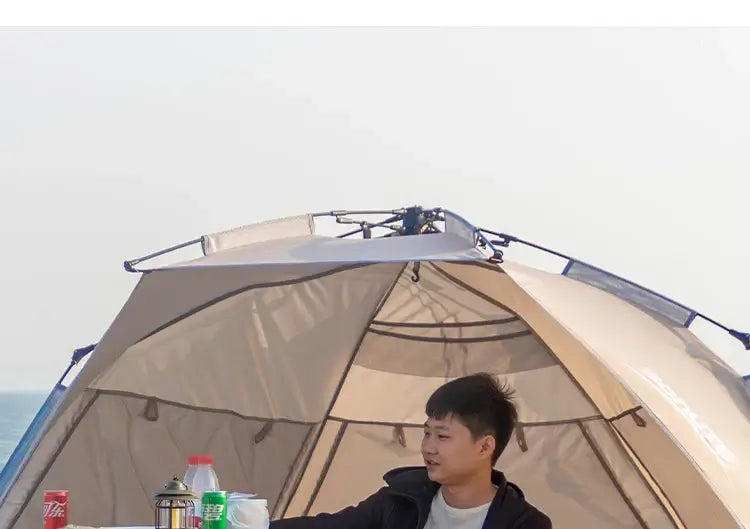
[247, 513]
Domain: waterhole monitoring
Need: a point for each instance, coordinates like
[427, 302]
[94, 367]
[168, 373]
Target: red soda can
[55, 509]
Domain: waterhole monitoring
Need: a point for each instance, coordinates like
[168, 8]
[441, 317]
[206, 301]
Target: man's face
[451, 454]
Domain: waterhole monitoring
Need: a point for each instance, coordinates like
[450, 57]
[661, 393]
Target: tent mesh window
[635, 294]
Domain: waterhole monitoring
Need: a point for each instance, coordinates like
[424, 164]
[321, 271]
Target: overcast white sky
[627, 148]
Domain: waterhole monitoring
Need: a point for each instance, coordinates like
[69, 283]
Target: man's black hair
[481, 403]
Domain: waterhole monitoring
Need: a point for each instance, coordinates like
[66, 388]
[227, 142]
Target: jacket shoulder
[528, 516]
[533, 518]
[514, 512]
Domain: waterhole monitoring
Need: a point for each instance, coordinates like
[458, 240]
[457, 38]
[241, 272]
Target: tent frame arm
[78, 355]
[130, 265]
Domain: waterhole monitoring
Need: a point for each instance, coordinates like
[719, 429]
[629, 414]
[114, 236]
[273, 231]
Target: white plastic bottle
[200, 477]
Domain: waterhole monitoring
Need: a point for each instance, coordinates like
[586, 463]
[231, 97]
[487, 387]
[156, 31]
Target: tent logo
[715, 444]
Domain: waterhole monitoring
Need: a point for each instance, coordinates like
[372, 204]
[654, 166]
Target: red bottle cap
[200, 460]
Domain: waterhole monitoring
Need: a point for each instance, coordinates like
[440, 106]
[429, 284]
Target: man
[470, 421]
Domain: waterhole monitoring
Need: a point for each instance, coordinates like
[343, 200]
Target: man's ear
[487, 446]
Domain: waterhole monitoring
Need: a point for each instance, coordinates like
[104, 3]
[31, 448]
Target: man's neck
[476, 491]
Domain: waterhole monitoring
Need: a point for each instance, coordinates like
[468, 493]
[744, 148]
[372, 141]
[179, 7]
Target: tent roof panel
[313, 249]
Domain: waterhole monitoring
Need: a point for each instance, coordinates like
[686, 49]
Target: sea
[16, 413]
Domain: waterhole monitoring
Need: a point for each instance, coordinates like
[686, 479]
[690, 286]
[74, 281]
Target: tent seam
[326, 466]
[242, 290]
[437, 339]
[426, 325]
[119, 393]
[296, 461]
[605, 465]
[589, 418]
[622, 439]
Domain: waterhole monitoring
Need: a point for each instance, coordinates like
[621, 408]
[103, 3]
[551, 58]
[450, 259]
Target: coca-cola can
[55, 509]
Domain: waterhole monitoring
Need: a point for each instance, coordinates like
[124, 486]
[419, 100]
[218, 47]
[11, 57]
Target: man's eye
[441, 437]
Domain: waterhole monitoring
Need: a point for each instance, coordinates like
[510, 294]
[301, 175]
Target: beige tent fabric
[638, 490]
[666, 369]
[562, 474]
[133, 458]
[424, 295]
[450, 357]
[559, 471]
[21, 494]
[264, 231]
[434, 328]
[379, 396]
[651, 482]
[162, 297]
[695, 503]
[246, 363]
[265, 345]
[159, 298]
[431, 330]
[491, 283]
[367, 452]
[302, 491]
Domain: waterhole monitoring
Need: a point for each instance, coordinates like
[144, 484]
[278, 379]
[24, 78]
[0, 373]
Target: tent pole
[78, 355]
[130, 265]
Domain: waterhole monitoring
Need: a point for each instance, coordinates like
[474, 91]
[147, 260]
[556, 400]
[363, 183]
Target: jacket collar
[414, 483]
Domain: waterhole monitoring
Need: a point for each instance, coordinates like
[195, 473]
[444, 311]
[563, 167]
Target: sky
[626, 148]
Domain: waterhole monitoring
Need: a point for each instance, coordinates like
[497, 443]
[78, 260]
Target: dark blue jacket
[405, 504]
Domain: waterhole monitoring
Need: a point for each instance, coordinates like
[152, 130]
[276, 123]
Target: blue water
[16, 412]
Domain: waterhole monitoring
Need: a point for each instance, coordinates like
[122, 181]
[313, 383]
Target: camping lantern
[174, 507]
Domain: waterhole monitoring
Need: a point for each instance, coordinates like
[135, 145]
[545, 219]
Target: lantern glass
[174, 514]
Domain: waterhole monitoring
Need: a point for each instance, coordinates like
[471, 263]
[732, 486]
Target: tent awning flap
[311, 249]
[263, 231]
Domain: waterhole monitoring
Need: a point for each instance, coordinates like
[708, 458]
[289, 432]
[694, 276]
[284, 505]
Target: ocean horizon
[17, 410]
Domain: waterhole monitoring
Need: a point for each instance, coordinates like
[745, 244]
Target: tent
[302, 363]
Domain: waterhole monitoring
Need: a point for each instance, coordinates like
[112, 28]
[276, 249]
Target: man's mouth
[429, 463]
